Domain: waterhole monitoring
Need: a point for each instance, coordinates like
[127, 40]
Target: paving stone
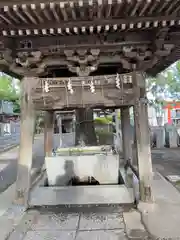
[53, 221]
[101, 221]
[15, 212]
[134, 227]
[26, 224]
[50, 235]
[101, 235]
[94, 223]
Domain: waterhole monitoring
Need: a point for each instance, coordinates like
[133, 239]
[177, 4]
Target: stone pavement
[85, 223]
[7, 197]
[162, 217]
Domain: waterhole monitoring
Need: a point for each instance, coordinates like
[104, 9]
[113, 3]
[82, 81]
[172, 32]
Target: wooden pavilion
[63, 50]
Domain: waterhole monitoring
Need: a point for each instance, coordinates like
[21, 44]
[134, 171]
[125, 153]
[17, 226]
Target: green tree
[7, 89]
[166, 85]
[10, 92]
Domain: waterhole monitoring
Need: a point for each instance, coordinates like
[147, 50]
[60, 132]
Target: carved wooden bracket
[82, 62]
[145, 57]
[26, 59]
[6, 57]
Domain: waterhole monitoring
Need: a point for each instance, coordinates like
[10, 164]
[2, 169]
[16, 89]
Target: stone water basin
[97, 162]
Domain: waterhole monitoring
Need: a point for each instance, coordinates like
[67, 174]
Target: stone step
[81, 195]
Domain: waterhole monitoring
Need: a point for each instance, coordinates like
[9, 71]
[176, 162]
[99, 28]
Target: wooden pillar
[142, 138]
[126, 134]
[23, 182]
[48, 133]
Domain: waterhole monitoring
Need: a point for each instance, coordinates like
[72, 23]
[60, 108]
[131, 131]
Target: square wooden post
[142, 138]
[23, 182]
[126, 134]
[48, 133]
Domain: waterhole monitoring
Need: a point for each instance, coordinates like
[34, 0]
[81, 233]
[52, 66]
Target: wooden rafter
[53, 9]
[153, 7]
[164, 5]
[86, 9]
[10, 15]
[18, 13]
[109, 9]
[45, 11]
[135, 8]
[100, 7]
[28, 13]
[63, 11]
[171, 6]
[81, 9]
[8, 21]
[145, 7]
[118, 7]
[73, 13]
[36, 13]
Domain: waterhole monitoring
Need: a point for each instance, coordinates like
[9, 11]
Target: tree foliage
[7, 90]
[10, 91]
[166, 85]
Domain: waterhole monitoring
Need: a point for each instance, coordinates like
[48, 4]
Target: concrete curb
[135, 230]
[161, 218]
[9, 148]
[36, 175]
[12, 217]
[16, 145]
[143, 209]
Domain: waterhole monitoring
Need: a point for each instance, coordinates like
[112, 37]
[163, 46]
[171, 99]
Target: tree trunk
[85, 131]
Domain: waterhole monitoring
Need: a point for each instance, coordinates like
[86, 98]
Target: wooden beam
[37, 2]
[98, 80]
